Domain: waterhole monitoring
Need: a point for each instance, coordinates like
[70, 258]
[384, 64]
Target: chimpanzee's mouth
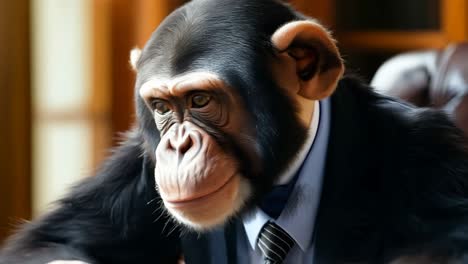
[193, 201]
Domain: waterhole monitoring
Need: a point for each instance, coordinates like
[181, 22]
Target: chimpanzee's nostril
[181, 145]
[169, 145]
[185, 145]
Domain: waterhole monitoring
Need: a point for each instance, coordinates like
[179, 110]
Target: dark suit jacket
[395, 184]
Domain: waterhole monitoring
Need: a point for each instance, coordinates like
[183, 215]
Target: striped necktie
[274, 243]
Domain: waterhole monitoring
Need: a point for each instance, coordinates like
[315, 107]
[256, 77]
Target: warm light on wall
[61, 57]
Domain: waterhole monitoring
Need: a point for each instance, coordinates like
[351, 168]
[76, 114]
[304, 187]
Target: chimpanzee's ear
[135, 57]
[309, 52]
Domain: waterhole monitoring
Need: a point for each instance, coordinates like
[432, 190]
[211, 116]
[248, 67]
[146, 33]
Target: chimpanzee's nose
[183, 140]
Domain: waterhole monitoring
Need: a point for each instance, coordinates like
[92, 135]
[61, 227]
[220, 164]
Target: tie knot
[274, 243]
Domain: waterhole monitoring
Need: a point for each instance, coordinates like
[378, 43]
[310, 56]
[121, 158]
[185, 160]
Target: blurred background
[66, 87]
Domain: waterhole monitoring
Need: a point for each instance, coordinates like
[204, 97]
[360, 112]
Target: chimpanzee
[251, 147]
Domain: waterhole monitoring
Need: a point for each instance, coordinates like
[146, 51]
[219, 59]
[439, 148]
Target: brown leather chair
[434, 78]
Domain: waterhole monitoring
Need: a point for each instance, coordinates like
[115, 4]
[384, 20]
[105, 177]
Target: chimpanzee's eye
[200, 100]
[161, 107]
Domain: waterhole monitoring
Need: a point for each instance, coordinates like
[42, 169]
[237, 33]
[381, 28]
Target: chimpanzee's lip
[200, 199]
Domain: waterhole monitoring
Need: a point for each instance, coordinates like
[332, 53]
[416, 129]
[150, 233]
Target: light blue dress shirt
[299, 215]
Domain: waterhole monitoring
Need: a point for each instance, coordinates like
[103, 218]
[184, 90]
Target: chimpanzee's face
[223, 87]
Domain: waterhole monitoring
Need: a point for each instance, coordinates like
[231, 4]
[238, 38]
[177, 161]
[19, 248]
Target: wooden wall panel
[15, 114]
[123, 39]
[323, 10]
[454, 14]
[101, 103]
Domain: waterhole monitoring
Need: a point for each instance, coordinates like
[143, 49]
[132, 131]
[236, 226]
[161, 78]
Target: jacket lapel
[215, 247]
[231, 236]
[196, 248]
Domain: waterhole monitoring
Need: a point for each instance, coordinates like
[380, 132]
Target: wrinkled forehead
[198, 69]
[159, 87]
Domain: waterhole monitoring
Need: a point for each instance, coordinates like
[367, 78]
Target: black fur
[396, 176]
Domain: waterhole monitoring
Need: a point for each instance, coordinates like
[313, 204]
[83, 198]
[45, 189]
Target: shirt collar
[296, 218]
